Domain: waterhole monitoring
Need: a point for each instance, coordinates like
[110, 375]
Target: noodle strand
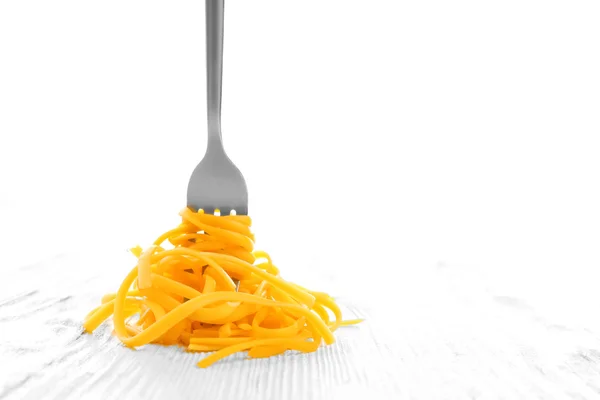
[185, 295]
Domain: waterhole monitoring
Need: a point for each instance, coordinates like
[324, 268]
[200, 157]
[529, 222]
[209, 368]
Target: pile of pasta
[202, 286]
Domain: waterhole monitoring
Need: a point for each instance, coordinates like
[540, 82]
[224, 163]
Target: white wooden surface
[434, 334]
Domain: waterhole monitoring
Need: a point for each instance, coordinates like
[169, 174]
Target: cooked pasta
[203, 286]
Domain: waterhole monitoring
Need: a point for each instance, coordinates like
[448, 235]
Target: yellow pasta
[209, 291]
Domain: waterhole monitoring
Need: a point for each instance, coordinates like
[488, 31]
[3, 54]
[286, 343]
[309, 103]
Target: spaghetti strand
[184, 294]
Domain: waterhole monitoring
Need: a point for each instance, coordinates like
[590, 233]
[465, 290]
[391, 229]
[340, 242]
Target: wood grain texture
[431, 335]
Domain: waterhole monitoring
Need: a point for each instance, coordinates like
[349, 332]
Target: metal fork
[216, 183]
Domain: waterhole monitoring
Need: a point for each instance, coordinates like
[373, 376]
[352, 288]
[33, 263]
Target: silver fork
[216, 183]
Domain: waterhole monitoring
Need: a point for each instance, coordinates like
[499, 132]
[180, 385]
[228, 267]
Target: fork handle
[214, 68]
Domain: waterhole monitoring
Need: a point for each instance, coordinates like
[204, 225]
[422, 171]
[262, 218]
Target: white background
[377, 137]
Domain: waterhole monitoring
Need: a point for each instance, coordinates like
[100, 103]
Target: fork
[216, 185]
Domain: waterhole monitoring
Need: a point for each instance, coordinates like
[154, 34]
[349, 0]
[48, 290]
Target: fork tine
[241, 210]
[225, 211]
